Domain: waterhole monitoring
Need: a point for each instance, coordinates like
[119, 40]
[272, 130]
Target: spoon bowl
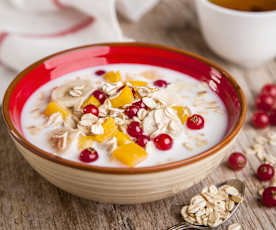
[238, 184]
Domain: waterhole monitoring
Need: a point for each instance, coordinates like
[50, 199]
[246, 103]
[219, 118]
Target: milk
[186, 91]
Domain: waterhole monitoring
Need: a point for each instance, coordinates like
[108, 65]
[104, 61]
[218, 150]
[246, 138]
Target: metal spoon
[239, 185]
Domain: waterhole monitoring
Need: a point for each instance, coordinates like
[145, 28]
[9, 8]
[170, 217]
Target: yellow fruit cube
[91, 101]
[125, 97]
[54, 107]
[110, 130]
[112, 76]
[183, 113]
[138, 83]
[122, 138]
[85, 142]
[130, 154]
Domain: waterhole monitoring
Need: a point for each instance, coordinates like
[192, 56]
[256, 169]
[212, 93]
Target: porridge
[124, 115]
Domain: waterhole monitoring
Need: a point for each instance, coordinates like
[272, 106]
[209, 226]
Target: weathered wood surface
[28, 201]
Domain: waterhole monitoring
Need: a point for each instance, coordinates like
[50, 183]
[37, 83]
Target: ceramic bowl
[123, 185]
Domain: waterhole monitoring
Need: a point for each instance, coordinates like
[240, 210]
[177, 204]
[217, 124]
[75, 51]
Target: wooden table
[28, 201]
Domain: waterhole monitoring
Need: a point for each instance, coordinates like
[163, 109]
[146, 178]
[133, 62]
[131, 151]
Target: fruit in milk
[126, 116]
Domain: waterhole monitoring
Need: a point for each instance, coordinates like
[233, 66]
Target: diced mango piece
[54, 107]
[112, 76]
[91, 101]
[110, 130]
[130, 154]
[138, 83]
[125, 97]
[85, 142]
[182, 112]
[122, 138]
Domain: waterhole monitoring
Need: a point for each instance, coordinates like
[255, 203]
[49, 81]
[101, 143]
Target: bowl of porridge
[124, 123]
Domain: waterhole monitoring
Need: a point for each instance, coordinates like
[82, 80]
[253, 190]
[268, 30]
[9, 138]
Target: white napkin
[32, 29]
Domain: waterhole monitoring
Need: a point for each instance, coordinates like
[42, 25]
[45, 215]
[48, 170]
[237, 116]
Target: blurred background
[31, 29]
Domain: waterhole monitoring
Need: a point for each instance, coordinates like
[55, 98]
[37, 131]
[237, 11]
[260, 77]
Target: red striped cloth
[58, 3]
[32, 29]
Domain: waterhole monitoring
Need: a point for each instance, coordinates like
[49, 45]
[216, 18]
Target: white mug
[245, 38]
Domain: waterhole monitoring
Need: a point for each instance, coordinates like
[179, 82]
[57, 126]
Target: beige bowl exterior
[123, 188]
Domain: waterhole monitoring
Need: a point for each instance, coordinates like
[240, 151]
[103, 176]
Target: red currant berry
[91, 109]
[269, 89]
[265, 172]
[195, 122]
[132, 111]
[142, 140]
[265, 102]
[100, 95]
[260, 120]
[237, 161]
[163, 142]
[133, 92]
[134, 129]
[272, 117]
[269, 196]
[100, 72]
[140, 104]
[160, 83]
[123, 86]
[88, 155]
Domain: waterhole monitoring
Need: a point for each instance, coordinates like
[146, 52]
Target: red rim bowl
[56, 65]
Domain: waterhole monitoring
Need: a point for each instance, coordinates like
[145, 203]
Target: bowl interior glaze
[54, 66]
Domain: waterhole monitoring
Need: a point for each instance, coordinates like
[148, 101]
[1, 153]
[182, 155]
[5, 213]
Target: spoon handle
[183, 226]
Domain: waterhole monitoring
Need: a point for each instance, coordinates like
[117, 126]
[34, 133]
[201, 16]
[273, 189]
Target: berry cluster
[162, 141]
[265, 104]
[265, 172]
